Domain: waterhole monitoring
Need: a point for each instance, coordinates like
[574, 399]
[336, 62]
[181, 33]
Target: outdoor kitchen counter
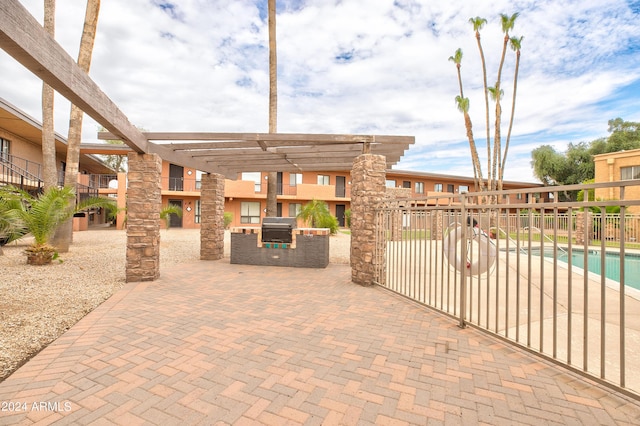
[309, 248]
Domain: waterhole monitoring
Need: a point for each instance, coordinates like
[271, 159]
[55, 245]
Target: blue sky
[356, 66]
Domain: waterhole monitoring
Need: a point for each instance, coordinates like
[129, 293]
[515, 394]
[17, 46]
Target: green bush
[316, 214]
[228, 218]
[347, 218]
[330, 222]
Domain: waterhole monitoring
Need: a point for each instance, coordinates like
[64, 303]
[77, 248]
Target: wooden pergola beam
[24, 39]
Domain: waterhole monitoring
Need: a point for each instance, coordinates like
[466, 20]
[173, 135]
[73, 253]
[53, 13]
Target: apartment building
[21, 159]
[246, 197]
[617, 166]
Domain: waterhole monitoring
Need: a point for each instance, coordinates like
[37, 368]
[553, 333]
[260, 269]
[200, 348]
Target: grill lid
[280, 222]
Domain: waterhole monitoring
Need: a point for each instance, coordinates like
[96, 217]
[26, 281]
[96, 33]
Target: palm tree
[478, 23]
[49, 172]
[516, 44]
[272, 182]
[316, 214]
[64, 235]
[463, 106]
[165, 214]
[507, 23]
[457, 59]
[11, 226]
[41, 215]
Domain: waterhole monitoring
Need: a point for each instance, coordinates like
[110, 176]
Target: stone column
[437, 224]
[583, 234]
[212, 217]
[144, 200]
[367, 191]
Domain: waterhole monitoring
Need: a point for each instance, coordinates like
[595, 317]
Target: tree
[272, 180]
[64, 235]
[115, 161]
[463, 107]
[478, 23]
[507, 23]
[515, 43]
[625, 135]
[49, 171]
[573, 167]
[496, 158]
[576, 165]
[316, 214]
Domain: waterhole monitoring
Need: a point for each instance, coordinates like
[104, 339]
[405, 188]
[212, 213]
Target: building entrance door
[340, 209]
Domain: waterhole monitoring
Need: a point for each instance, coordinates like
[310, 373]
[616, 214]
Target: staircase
[25, 175]
[19, 172]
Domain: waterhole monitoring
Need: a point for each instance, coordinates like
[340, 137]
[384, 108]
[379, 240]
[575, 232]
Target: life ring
[486, 250]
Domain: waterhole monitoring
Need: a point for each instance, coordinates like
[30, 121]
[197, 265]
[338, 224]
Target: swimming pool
[611, 265]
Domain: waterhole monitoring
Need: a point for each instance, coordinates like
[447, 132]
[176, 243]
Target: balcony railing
[102, 181]
[20, 172]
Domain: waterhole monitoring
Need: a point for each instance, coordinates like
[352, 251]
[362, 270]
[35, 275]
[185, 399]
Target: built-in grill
[278, 229]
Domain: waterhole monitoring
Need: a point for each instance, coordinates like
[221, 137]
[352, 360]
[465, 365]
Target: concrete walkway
[214, 343]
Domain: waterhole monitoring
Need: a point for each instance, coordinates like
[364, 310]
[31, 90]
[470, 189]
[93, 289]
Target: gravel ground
[39, 303]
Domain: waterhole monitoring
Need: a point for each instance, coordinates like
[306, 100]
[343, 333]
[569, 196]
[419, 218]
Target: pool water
[611, 265]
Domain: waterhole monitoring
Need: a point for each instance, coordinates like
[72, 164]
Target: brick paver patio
[214, 343]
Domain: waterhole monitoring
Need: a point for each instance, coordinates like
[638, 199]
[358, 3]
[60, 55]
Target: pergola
[233, 153]
[218, 154]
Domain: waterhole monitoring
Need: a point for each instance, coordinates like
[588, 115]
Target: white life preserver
[485, 250]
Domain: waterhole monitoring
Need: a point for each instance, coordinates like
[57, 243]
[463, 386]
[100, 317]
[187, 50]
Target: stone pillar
[367, 191]
[583, 234]
[212, 217]
[437, 224]
[144, 200]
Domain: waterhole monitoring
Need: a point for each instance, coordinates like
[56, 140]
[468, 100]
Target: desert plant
[347, 218]
[40, 215]
[11, 226]
[330, 222]
[166, 212]
[316, 214]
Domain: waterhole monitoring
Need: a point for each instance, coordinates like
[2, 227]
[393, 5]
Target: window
[419, 188]
[406, 184]
[255, 177]
[463, 189]
[437, 187]
[250, 212]
[323, 180]
[198, 212]
[632, 172]
[4, 148]
[295, 179]
[294, 209]
[391, 183]
[451, 188]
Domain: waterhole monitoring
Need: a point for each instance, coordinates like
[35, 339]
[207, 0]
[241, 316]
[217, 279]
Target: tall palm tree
[272, 182]
[49, 171]
[478, 23]
[64, 235]
[463, 107]
[516, 44]
[507, 23]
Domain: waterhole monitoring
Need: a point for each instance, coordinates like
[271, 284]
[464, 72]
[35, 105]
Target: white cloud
[355, 66]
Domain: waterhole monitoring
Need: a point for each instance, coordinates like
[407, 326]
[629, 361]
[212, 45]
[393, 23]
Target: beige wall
[607, 169]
